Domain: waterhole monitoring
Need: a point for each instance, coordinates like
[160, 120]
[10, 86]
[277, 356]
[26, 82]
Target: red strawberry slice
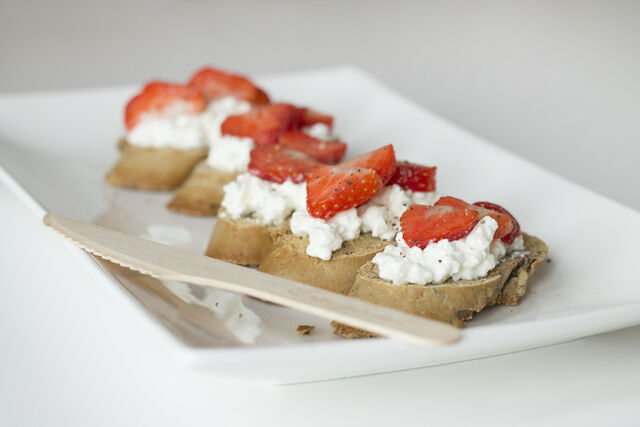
[412, 176]
[382, 160]
[515, 231]
[332, 189]
[276, 163]
[264, 123]
[165, 99]
[311, 117]
[423, 224]
[217, 84]
[505, 221]
[453, 202]
[329, 152]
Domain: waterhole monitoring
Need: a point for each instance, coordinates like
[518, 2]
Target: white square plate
[56, 147]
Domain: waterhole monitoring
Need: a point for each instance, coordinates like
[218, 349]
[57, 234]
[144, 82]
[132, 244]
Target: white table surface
[556, 83]
[72, 356]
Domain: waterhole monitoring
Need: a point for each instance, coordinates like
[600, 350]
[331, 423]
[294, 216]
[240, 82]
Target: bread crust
[289, 259]
[452, 301]
[148, 168]
[201, 193]
[243, 241]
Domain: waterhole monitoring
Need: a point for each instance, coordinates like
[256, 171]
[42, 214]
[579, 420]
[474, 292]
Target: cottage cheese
[218, 111]
[468, 258]
[226, 152]
[185, 131]
[263, 201]
[271, 203]
[320, 131]
[516, 246]
[231, 153]
[326, 236]
[381, 215]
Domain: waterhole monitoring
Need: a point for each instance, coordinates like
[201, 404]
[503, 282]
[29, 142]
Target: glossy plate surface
[56, 147]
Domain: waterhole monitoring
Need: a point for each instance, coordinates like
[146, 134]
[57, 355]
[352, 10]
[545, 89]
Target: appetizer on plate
[352, 209]
[237, 134]
[169, 127]
[320, 231]
[257, 205]
[372, 227]
[450, 261]
[163, 140]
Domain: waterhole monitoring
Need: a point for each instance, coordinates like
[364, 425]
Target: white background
[556, 82]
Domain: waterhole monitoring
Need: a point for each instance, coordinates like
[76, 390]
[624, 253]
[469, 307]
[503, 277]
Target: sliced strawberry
[261, 98]
[276, 163]
[311, 117]
[217, 84]
[165, 99]
[453, 202]
[332, 189]
[422, 224]
[412, 176]
[264, 123]
[328, 152]
[382, 160]
[508, 238]
[505, 221]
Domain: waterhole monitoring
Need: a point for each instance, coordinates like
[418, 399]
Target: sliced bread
[452, 301]
[150, 168]
[243, 241]
[289, 259]
[201, 193]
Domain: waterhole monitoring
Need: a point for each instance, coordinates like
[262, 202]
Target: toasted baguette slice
[201, 193]
[243, 241]
[153, 168]
[289, 259]
[452, 301]
[121, 143]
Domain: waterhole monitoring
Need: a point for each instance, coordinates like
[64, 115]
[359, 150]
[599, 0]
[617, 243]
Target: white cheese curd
[326, 236]
[517, 245]
[377, 221]
[381, 215]
[185, 131]
[320, 131]
[263, 201]
[230, 153]
[468, 258]
[218, 111]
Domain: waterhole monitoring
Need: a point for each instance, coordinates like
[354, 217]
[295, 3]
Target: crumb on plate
[305, 329]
